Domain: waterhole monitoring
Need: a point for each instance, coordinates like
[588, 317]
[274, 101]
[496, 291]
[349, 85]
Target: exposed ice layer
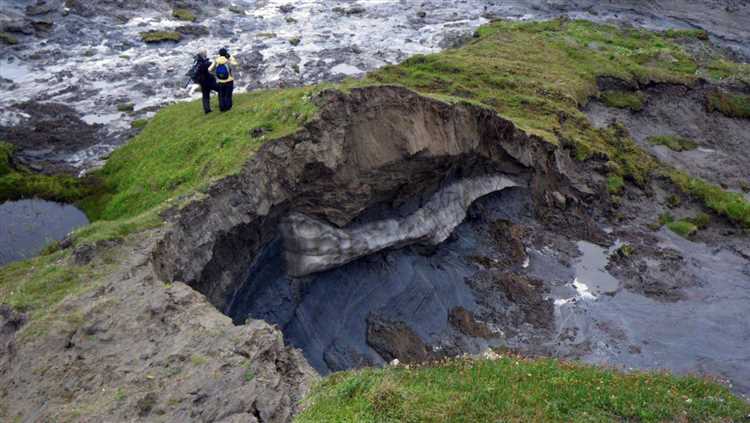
[312, 245]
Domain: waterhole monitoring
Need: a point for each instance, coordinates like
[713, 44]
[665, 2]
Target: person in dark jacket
[222, 67]
[205, 79]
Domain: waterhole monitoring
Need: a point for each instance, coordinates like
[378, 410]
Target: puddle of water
[592, 278]
[27, 226]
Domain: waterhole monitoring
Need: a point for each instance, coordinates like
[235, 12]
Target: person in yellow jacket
[222, 68]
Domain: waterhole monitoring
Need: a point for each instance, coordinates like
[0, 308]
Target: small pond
[27, 226]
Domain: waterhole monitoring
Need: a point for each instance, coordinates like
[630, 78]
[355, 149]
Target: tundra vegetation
[539, 75]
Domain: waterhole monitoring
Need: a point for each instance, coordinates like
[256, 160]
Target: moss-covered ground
[17, 182]
[537, 74]
[674, 142]
[513, 389]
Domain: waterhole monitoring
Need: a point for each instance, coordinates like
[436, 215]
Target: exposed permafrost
[312, 245]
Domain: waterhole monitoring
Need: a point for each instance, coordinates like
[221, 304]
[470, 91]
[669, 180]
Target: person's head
[203, 53]
[224, 52]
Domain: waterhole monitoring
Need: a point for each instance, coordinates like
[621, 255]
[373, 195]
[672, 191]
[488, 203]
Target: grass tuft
[674, 142]
[729, 204]
[160, 36]
[683, 228]
[624, 100]
[728, 104]
[183, 14]
[615, 184]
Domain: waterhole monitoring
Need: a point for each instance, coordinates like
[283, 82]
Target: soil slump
[506, 276]
[394, 173]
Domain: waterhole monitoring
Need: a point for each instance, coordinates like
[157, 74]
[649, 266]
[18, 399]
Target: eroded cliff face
[369, 148]
[380, 169]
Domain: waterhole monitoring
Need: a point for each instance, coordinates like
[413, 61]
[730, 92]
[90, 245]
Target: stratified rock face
[313, 245]
[376, 148]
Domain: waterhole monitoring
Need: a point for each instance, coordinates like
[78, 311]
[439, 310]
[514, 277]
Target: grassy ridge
[517, 390]
[182, 150]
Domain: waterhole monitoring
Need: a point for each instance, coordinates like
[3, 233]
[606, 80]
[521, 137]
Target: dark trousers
[206, 89]
[225, 95]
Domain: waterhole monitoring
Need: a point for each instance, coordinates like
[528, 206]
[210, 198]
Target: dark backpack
[194, 72]
[223, 71]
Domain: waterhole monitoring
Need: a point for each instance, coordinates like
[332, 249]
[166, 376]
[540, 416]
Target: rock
[286, 8]
[394, 340]
[40, 8]
[466, 323]
[146, 404]
[17, 26]
[42, 25]
[559, 199]
[422, 14]
[193, 30]
[83, 254]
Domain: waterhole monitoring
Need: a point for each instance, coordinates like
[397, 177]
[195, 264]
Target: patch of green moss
[183, 14]
[665, 218]
[513, 389]
[160, 36]
[730, 204]
[687, 33]
[125, 107]
[729, 104]
[615, 184]
[682, 228]
[674, 142]
[624, 100]
[139, 123]
[17, 183]
[8, 39]
[701, 220]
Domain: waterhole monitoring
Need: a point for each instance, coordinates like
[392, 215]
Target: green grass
[18, 183]
[160, 36]
[729, 204]
[728, 104]
[624, 100]
[181, 150]
[615, 184]
[35, 285]
[517, 390]
[683, 228]
[139, 123]
[183, 14]
[674, 142]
